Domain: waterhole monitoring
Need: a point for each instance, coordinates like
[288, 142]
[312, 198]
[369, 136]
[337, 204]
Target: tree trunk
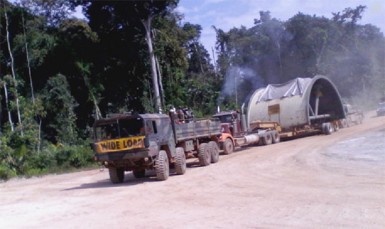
[98, 114]
[9, 112]
[160, 81]
[13, 72]
[155, 81]
[39, 141]
[31, 81]
[28, 59]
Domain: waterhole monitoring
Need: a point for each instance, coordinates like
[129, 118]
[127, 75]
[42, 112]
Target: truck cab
[353, 115]
[230, 123]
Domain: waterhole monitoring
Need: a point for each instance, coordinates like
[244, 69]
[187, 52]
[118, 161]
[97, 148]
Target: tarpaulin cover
[277, 91]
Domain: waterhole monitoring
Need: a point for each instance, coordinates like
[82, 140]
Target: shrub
[74, 156]
[6, 173]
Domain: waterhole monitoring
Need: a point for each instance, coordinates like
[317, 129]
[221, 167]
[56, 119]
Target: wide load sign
[121, 144]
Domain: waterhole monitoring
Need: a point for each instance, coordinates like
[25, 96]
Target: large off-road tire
[214, 149]
[162, 167]
[180, 161]
[204, 154]
[275, 137]
[116, 175]
[139, 173]
[228, 147]
[267, 139]
[327, 128]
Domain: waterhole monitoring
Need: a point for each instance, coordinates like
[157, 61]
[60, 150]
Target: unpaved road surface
[335, 181]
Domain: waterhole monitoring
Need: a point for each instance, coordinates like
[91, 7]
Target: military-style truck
[236, 133]
[137, 142]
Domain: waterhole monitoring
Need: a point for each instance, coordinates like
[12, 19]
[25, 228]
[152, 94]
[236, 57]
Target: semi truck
[140, 142]
[296, 108]
[237, 133]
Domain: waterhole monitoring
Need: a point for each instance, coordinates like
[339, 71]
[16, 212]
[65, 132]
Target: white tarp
[277, 91]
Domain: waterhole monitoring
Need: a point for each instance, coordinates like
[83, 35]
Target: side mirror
[146, 142]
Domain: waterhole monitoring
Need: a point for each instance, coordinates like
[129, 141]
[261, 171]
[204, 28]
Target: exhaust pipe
[243, 118]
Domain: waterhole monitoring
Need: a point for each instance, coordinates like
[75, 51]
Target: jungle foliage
[59, 73]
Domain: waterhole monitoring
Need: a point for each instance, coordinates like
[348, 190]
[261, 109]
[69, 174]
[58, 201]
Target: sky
[227, 14]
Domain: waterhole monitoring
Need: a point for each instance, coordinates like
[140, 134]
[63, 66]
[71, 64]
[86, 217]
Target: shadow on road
[129, 179]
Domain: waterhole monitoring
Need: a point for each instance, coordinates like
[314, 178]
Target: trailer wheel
[116, 175]
[204, 154]
[180, 161]
[343, 123]
[139, 173]
[214, 151]
[327, 128]
[336, 127]
[162, 168]
[360, 120]
[267, 139]
[275, 137]
[228, 147]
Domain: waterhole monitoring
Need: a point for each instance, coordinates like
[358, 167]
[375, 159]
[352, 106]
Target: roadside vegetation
[58, 73]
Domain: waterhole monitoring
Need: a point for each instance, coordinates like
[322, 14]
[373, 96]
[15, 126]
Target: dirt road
[303, 183]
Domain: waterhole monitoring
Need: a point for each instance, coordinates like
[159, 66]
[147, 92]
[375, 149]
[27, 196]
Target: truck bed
[197, 129]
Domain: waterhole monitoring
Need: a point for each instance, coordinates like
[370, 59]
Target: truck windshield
[119, 129]
[225, 118]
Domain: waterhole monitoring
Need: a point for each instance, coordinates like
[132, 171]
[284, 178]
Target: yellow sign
[121, 144]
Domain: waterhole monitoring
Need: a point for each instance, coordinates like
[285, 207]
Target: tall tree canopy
[303, 46]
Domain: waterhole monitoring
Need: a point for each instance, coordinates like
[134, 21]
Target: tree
[304, 46]
[60, 106]
[51, 11]
[136, 16]
[12, 63]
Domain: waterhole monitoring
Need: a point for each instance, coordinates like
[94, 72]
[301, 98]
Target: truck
[236, 132]
[140, 142]
[296, 108]
[353, 116]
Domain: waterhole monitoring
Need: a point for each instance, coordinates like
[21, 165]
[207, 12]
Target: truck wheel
[275, 137]
[162, 168]
[267, 139]
[180, 161]
[343, 123]
[116, 175]
[139, 173]
[228, 147]
[204, 154]
[360, 120]
[327, 128]
[336, 127]
[214, 151]
[348, 123]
